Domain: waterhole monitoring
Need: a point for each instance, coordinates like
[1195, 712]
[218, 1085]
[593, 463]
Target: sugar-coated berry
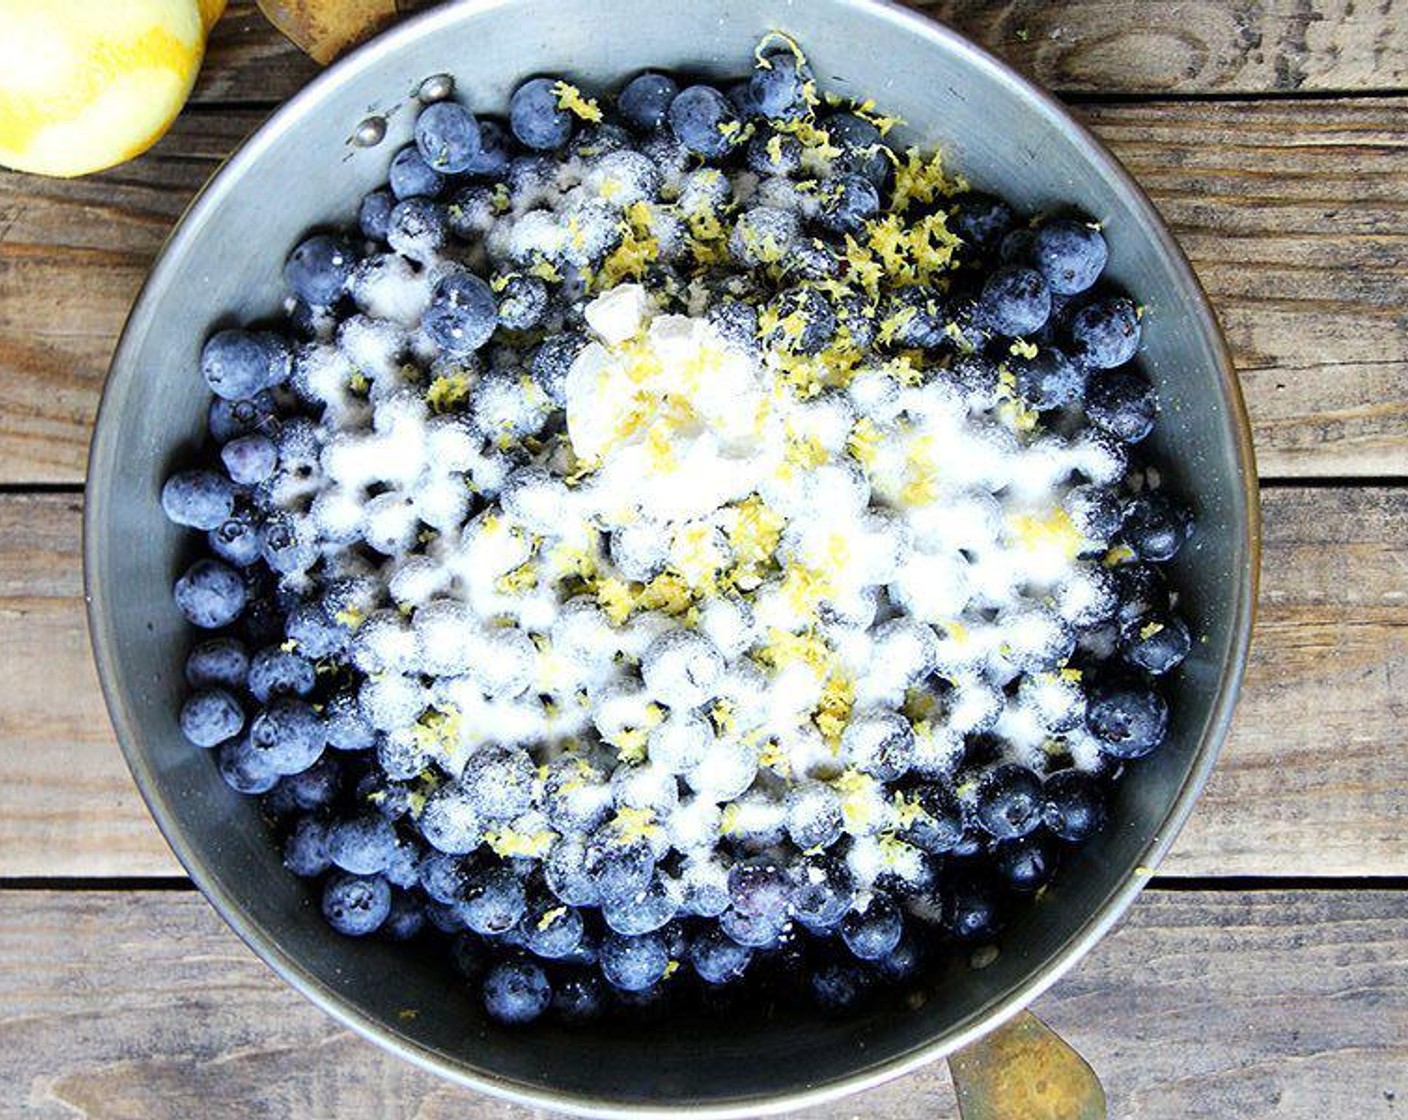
[874, 930]
[1049, 380]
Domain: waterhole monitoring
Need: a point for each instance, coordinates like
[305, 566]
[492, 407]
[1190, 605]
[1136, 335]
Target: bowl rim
[106, 648]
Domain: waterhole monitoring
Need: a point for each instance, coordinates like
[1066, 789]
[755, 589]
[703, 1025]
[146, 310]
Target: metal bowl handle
[1025, 1071]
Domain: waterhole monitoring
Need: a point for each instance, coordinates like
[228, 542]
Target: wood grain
[1295, 215]
[1077, 46]
[1249, 1005]
[1314, 781]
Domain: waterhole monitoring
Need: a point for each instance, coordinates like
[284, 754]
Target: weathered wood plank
[1078, 46]
[1312, 783]
[1295, 215]
[1278, 1004]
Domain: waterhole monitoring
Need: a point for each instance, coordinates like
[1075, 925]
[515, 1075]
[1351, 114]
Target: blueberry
[740, 96]
[305, 849]
[1015, 301]
[289, 734]
[862, 147]
[879, 742]
[449, 821]
[900, 963]
[198, 499]
[316, 787]
[1073, 807]
[1121, 402]
[808, 322]
[317, 634]
[462, 314]
[374, 214]
[1156, 526]
[759, 889]
[1095, 511]
[1070, 254]
[1026, 865]
[492, 902]
[1128, 721]
[262, 621]
[249, 460]
[536, 118]
[405, 919]
[838, 987]
[1008, 802]
[619, 870]
[447, 136]
[703, 121]
[645, 102]
[318, 270]
[633, 963]
[412, 177]
[917, 317]
[970, 910]
[981, 220]
[579, 998]
[873, 932]
[277, 672]
[601, 139]
[644, 912]
[228, 419]
[777, 85]
[494, 152]
[718, 959]
[210, 594]
[1142, 593]
[552, 361]
[1016, 246]
[523, 303]
[363, 844]
[550, 929]
[821, 892]
[418, 229]
[757, 931]
[499, 781]
[211, 716]
[1048, 381]
[774, 153]
[356, 906]
[978, 378]
[245, 769]
[290, 543]
[219, 661]
[1159, 645]
[848, 202]
[238, 541]
[938, 826]
[239, 364]
[443, 876]
[1105, 334]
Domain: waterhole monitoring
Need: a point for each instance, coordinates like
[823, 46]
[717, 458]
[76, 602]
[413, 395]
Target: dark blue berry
[1095, 511]
[245, 769]
[1121, 402]
[550, 929]
[938, 826]
[412, 177]
[1156, 526]
[703, 121]
[579, 998]
[552, 361]
[718, 959]
[873, 932]
[316, 634]
[354, 905]
[1016, 246]
[448, 137]
[418, 228]
[1008, 802]
[900, 963]
[1142, 593]
[1015, 301]
[774, 153]
[219, 661]
[1105, 334]
[1048, 381]
[494, 152]
[363, 844]
[643, 912]
[536, 118]
[862, 147]
[1073, 806]
[1025, 865]
[523, 303]
[601, 139]
[289, 734]
[757, 931]
[917, 317]
[374, 214]
[1127, 720]
[198, 499]
[633, 963]
[239, 364]
[210, 594]
[1070, 255]
[981, 220]
[249, 460]
[838, 987]
[210, 717]
[228, 419]
[318, 270]
[516, 992]
[740, 96]
[316, 787]
[815, 314]
[305, 849]
[277, 672]
[238, 541]
[492, 901]
[1159, 645]
[645, 102]
[821, 892]
[970, 910]
[462, 314]
[777, 84]
[405, 919]
[848, 203]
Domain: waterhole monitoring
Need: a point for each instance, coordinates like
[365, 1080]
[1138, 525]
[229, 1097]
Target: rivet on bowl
[370, 132]
[437, 87]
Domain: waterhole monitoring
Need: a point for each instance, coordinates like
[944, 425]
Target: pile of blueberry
[275, 686]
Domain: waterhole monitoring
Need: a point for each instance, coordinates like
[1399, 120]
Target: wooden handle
[1025, 1071]
[324, 29]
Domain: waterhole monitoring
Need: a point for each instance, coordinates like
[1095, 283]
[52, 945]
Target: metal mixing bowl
[222, 266]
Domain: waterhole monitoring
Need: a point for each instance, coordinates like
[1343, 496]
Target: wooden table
[1255, 978]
